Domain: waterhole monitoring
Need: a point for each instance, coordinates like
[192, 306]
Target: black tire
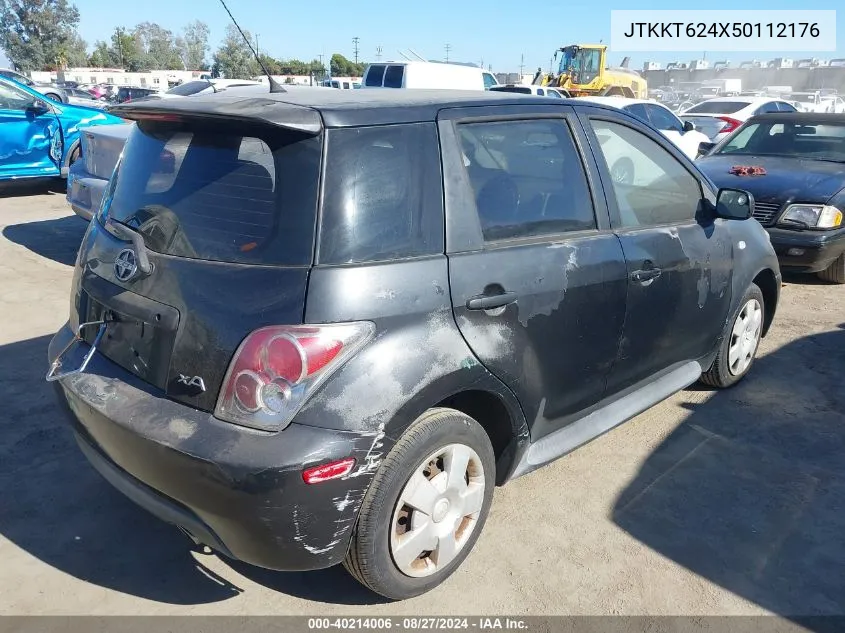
[834, 273]
[369, 558]
[54, 96]
[74, 156]
[719, 375]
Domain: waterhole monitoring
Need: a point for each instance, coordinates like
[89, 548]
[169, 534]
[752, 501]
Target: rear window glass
[393, 76]
[190, 88]
[375, 75]
[383, 195]
[202, 193]
[718, 107]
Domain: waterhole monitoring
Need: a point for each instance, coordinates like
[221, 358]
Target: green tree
[233, 59]
[100, 58]
[195, 45]
[342, 67]
[37, 33]
[272, 65]
[126, 52]
[75, 52]
[157, 47]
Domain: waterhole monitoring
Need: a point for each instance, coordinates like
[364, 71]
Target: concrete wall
[799, 78]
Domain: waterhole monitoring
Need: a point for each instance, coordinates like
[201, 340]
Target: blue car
[40, 137]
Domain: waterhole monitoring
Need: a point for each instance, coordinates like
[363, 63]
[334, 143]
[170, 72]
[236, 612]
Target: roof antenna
[274, 86]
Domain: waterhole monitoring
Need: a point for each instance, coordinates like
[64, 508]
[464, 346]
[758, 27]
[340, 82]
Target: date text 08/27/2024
[418, 623]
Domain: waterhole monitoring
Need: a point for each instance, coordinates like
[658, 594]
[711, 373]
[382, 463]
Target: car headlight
[813, 215]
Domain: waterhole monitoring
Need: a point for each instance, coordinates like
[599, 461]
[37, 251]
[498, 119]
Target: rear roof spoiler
[273, 112]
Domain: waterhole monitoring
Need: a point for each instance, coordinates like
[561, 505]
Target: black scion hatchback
[320, 326]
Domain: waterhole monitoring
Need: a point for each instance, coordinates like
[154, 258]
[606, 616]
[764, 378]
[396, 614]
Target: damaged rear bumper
[237, 490]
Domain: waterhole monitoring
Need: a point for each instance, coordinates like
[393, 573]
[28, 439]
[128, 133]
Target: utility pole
[355, 41]
[448, 48]
[521, 66]
[119, 33]
[378, 53]
[257, 50]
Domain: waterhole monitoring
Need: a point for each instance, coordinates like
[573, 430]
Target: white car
[833, 103]
[719, 117]
[661, 117]
[205, 86]
[538, 91]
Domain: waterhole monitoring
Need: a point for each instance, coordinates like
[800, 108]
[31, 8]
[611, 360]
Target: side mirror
[704, 148]
[38, 107]
[688, 126]
[734, 204]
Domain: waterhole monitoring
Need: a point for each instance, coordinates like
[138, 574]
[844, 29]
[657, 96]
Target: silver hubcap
[437, 511]
[745, 336]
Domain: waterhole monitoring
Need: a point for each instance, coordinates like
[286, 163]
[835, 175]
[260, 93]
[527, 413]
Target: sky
[502, 34]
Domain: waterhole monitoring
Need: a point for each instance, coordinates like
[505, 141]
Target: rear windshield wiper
[127, 233]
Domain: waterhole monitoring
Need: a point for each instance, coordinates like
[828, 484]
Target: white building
[161, 79]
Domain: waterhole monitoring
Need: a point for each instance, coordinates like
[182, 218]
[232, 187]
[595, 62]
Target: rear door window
[662, 119]
[393, 76]
[718, 107]
[638, 110]
[527, 177]
[383, 195]
[375, 76]
[203, 193]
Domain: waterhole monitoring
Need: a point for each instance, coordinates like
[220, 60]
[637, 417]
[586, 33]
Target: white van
[431, 75]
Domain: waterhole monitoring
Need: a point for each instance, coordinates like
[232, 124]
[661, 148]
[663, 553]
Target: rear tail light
[277, 368]
[730, 124]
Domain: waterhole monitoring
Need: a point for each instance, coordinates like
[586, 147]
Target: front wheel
[740, 341]
[425, 507]
[835, 272]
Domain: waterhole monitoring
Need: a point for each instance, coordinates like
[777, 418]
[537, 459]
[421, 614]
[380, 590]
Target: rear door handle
[489, 302]
[646, 276]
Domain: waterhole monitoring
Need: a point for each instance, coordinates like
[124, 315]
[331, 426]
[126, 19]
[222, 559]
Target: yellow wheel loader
[582, 71]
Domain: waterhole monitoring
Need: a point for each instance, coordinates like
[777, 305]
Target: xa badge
[195, 381]
[125, 266]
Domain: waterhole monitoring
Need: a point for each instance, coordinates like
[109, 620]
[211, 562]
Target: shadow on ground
[749, 492]
[57, 239]
[33, 188]
[59, 510]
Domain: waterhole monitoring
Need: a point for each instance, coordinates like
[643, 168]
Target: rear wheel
[74, 156]
[740, 341]
[425, 507]
[835, 272]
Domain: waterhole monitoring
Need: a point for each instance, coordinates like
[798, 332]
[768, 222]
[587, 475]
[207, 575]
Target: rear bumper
[806, 251]
[84, 192]
[237, 490]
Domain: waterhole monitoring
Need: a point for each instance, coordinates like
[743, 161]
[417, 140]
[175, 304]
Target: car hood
[786, 179]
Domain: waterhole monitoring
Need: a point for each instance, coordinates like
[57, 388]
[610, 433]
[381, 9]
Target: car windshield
[190, 88]
[718, 107]
[793, 140]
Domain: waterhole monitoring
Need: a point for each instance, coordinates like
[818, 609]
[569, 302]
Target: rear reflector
[325, 472]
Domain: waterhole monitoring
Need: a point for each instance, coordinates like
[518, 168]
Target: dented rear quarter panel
[416, 358]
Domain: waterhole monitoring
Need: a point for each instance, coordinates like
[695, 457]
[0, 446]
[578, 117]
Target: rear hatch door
[226, 213]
